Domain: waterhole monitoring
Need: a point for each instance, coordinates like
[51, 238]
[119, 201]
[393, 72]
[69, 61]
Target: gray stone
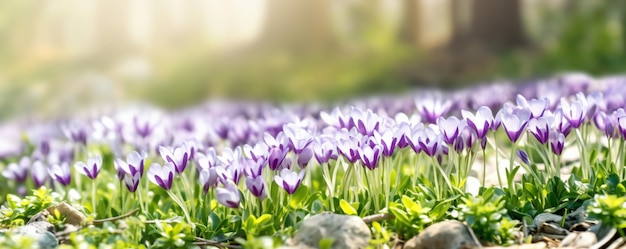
[606, 236]
[576, 217]
[449, 234]
[71, 214]
[579, 240]
[542, 218]
[540, 245]
[40, 231]
[349, 232]
[619, 243]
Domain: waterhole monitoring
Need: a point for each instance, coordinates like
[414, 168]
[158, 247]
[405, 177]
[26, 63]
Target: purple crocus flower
[132, 181]
[299, 138]
[592, 103]
[18, 171]
[208, 179]
[557, 142]
[349, 148]
[256, 185]
[257, 152]
[522, 155]
[207, 160]
[606, 123]
[289, 180]
[402, 118]
[413, 139]
[430, 141]
[370, 155]
[279, 141]
[427, 140]
[540, 128]
[305, 157]
[459, 144]
[60, 152]
[76, 131]
[220, 127]
[275, 157]
[229, 195]
[162, 175]
[388, 140]
[450, 128]
[286, 164]
[13, 141]
[241, 131]
[39, 173]
[324, 151]
[229, 155]
[92, 168]
[481, 122]
[514, 123]
[179, 157]
[368, 122]
[574, 112]
[190, 146]
[61, 173]
[232, 171]
[621, 124]
[336, 118]
[134, 164]
[560, 123]
[44, 147]
[468, 137]
[432, 109]
[254, 168]
[403, 134]
[144, 124]
[536, 106]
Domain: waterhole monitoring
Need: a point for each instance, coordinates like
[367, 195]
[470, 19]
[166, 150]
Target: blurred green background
[60, 56]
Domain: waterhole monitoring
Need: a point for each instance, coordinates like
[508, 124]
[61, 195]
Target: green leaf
[298, 198]
[263, 219]
[620, 190]
[401, 215]
[312, 197]
[611, 182]
[440, 210]
[346, 207]
[410, 204]
[326, 243]
[250, 224]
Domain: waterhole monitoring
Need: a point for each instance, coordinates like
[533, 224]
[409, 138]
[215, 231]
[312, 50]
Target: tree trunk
[411, 25]
[497, 23]
[297, 25]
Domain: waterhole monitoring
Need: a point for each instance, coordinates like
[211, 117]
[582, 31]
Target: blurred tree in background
[59, 56]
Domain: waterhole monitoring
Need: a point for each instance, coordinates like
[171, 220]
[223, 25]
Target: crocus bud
[228, 195]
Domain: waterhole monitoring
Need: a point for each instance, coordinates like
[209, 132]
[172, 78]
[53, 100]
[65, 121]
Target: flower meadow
[241, 174]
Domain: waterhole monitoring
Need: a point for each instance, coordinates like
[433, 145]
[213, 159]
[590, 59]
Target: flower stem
[141, 202]
[189, 193]
[620, 156]
[121, 194]
[182, 205]
[147, 189]
[511, 162]
[485, 168]
[329, 185]
[93, 196]
[583, 159]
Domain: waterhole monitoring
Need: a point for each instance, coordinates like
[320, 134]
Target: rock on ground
[39, 231]
[347, 232]
[540, 245]
[449, 234]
